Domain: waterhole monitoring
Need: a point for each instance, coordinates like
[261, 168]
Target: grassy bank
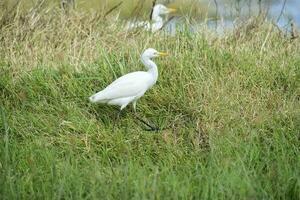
[230, 105]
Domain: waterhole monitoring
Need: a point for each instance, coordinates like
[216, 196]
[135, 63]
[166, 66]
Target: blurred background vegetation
[128, 6]
[282, 11]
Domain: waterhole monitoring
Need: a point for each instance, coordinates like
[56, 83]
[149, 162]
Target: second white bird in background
[157, 19]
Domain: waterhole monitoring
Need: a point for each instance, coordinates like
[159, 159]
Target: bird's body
[126, 89]
[130, 87]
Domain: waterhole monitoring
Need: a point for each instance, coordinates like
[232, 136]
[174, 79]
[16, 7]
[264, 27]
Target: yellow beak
[171, 10]
[162, 54]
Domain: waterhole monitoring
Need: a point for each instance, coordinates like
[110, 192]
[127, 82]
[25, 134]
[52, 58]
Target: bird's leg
[116, 119]
[151, 127]
[134, 106]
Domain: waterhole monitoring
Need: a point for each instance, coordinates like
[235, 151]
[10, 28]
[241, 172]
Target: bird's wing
[128, 85]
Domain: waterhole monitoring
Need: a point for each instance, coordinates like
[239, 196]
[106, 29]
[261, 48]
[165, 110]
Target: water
[291, 12]
[229, 11]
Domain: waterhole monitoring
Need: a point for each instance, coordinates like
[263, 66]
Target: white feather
[130, 87]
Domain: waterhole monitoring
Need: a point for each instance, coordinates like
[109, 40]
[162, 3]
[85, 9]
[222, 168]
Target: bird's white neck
[157, 18]
[151, 66]
[157, 22]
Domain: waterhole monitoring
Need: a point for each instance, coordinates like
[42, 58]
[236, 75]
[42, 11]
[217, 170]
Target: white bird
[157, 18]
[130, 87]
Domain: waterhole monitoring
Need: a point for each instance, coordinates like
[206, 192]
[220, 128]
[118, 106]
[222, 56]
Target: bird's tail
[97, 98]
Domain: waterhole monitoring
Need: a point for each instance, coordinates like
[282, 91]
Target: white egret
[157, 18]
[130, 87]
[158, 11]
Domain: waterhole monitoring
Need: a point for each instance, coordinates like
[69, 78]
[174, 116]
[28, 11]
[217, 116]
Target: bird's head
[152, 53]
[160, 9]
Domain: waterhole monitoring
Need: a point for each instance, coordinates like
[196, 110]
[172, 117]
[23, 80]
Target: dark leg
[116, 119]
[150, 127]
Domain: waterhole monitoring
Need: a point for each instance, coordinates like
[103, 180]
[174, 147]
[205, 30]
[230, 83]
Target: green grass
[231, 105]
